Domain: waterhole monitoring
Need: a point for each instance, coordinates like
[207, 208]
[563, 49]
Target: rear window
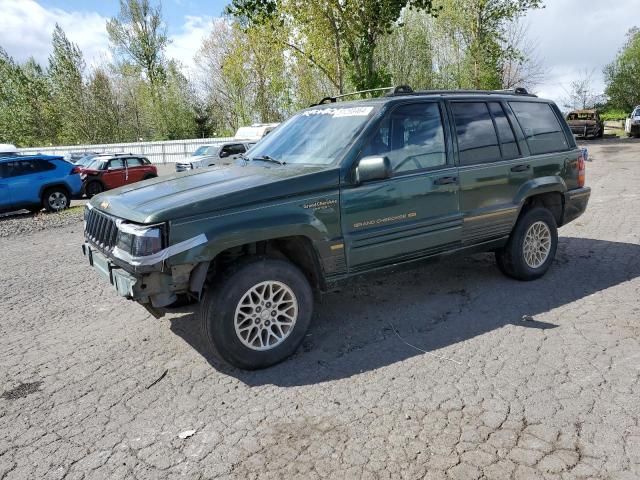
[477, 139]
[541, 127]
[508, 143]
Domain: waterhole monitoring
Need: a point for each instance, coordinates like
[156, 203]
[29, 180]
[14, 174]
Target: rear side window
[508, 143]
[134, 162]
[27, 167]
[477, 139]
[541, 127]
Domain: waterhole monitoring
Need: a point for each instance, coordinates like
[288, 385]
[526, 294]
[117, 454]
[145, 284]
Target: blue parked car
[38, 181]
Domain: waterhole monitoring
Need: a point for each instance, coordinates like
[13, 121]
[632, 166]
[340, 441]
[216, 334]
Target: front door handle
[520, 168]
[445, 180]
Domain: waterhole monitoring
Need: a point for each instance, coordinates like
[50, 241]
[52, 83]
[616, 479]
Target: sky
[571, 36]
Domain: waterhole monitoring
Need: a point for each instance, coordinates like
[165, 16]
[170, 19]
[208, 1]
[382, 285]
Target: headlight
[140, 240]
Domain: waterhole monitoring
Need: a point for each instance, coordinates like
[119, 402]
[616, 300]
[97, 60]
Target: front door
[115, 175]
[415, 212]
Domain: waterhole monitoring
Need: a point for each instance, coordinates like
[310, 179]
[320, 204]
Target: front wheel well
[298, 250]
[552, 201]
[60, 186]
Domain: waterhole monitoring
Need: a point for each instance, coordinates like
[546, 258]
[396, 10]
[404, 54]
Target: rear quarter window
[542, 130]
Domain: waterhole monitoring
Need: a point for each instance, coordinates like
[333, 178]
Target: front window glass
[411, 137]
[315, 136]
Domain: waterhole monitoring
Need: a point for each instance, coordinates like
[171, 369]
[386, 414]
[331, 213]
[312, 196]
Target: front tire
[55, 199]
[531, 247]
[93, 188]
[256, 315]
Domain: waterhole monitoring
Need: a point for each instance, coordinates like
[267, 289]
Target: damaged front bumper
[155, 289]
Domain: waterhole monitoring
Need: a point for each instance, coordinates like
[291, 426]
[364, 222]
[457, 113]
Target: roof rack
[405, 89]
[515, 91]
[401, 90]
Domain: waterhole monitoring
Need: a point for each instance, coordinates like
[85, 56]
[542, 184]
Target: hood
[195, 159]
[213, 189]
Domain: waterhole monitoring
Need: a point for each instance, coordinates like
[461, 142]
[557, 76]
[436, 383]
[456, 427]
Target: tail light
[75, 170]
[582, 167]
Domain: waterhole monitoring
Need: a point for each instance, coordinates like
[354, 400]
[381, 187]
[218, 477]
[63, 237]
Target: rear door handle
[520, 168]
[445, 180]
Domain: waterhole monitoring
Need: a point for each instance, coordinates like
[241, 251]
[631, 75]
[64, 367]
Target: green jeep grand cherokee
[340, 189]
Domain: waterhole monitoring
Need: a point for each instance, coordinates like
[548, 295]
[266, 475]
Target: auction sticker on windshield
[340, 112]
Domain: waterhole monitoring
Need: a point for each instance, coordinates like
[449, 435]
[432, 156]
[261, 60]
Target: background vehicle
[8, 150]
[336, 191]
[75, 157]
[586, 123]
[105, 172]
[632, 124]
[37, 181]
[255, 131]
[222, 153]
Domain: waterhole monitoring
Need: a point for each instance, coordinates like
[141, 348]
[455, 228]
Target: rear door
[5, 194]
[135, 170]
[492, 168]
[114, 175]
[415, 212]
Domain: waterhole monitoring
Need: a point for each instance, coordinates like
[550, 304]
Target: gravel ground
[25, 223]
[445, 371]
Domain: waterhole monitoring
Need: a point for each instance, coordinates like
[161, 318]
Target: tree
[523, 67]
[139, 33]
[354, 29]
[622, 76]
[581, 93]
[66, 69]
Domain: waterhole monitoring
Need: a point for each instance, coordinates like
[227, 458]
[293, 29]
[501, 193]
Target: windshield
[96, 164]
[205, 150]
[86, 160]
[315, 136]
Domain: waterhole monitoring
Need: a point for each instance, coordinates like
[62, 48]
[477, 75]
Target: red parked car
[111, 171]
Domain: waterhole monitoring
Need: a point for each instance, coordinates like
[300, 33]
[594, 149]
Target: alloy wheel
[266, 315]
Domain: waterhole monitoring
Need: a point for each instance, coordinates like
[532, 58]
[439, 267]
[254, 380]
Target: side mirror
[224, 154]
[372, 168]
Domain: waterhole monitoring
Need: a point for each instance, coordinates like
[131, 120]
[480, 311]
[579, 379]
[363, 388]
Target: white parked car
[632, 125]
[8, 150]
[256, 131]
[219, 153]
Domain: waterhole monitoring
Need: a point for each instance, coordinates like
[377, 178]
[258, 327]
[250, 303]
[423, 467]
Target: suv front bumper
[123, 281]
[575, 203]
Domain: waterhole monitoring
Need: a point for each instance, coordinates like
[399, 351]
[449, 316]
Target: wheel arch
[547, 192]
[48, 186]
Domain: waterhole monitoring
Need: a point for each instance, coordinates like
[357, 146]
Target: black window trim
[444, 124]
[513, 130]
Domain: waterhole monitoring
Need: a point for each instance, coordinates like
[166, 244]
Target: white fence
[157, 152]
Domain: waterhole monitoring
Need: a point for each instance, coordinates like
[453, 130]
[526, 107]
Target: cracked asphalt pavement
[447, 370]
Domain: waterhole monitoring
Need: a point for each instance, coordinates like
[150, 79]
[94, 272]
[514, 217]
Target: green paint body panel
[351, 227]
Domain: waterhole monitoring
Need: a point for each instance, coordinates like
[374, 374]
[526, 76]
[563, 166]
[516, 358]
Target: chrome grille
[101, 229]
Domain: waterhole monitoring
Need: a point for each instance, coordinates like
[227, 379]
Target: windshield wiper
[267, 158]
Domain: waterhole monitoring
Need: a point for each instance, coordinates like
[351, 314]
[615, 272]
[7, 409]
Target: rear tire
[93, 188]
[258, 313]
[55, 199]
[531, 247]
